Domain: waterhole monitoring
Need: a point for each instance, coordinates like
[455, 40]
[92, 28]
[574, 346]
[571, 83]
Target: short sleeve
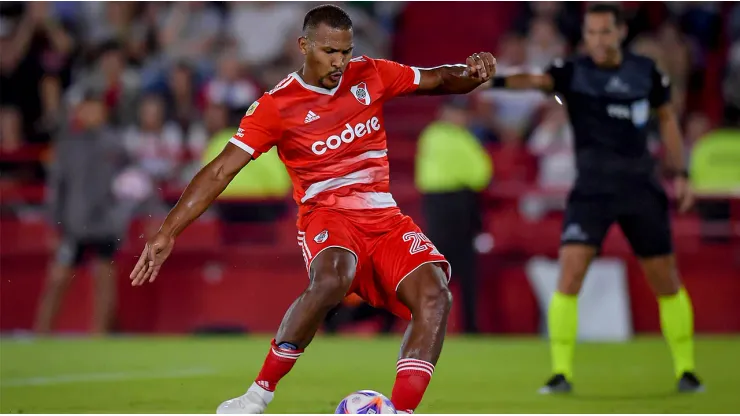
[660, 93]
[260, 128]
[398, 79]
[561, 72]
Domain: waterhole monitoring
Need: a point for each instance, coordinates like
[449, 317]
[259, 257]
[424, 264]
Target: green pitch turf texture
[475, 375]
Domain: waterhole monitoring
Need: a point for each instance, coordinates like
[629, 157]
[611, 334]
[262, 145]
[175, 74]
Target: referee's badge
[640, 112]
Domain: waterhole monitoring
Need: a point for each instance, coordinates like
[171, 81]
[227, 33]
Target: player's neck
[308, 78]
[614, 61]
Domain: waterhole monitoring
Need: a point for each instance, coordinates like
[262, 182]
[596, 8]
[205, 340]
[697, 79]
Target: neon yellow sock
[562, 322]
[677, 323]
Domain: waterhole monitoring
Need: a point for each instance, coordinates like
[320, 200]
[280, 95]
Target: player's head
[327, 43]
[603, 32]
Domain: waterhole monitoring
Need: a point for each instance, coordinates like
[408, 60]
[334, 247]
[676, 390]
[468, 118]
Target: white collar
[319, 90]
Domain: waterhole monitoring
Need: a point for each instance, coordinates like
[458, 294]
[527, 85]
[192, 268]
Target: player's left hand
[684, 195]
[481, 66]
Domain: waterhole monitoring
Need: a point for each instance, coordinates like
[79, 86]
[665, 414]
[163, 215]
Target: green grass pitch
[474, 375]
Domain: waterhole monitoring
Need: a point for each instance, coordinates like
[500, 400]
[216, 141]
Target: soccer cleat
[689, 383]
[253, 402]
[556, 385]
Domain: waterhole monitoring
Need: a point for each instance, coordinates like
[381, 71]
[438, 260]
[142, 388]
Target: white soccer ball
[365, 402]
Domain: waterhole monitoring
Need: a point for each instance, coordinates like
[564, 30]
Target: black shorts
[71, 252]
[641, 212]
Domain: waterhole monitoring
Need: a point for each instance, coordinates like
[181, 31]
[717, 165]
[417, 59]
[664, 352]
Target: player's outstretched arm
[457, 79]
[524, 81]
[671, 135]
[199, 194]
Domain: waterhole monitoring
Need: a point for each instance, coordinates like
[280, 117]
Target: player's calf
[331, 275]
[662, 274]
[426, 294]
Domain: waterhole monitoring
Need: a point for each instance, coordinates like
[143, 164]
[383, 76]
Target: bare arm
[556, 78]
[59, 38]
[207, 184]
[457, 79]
[543, 82]
[199, 194]
[673, 141]
[671, 135]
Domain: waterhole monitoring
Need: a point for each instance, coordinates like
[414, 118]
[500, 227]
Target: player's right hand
[155, 253]
[481, 66]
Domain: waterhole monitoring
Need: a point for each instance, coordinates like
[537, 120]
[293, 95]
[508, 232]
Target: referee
[610, 95]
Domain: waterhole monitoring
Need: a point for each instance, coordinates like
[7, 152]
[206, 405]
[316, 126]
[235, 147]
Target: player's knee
[574, 262]
[662, 275]
[434, 296]
[571, 277]
[570, 283]
[60, 276]
[330, 286]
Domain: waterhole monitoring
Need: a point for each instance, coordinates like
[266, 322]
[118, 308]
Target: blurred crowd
[686, 39]
[106, 103]
[172, 76]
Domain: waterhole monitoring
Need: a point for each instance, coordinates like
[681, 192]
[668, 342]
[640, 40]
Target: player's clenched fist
[481, 66]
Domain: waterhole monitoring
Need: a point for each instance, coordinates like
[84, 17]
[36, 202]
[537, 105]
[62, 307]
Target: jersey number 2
[419, 243]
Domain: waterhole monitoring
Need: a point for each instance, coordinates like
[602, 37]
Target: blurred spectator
[260, 29]
[508, 115]
[552, 142]
[697, 125]
[230, 86]
[154, 143]
[731, 85]
[677, 62]
[11, 129]
[369, 36]
[189, 32]
[651, 47]
[451, 169]
[544, 43]
[715, 169]
[102, 22]
[87, 159]
[119, 83]
[35, 51]
[182, 96]
[215, 120]
[715, 161]
[565, 15]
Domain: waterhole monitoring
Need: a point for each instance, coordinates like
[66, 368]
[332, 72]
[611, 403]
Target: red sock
[412, 379]
[278, 363]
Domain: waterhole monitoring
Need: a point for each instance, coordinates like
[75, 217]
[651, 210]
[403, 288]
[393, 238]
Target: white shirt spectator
[260, 29]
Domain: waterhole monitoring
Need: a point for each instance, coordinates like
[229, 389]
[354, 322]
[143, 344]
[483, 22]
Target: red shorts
[388, 247]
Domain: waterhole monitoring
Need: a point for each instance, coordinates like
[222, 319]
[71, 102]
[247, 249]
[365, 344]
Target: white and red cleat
[253, 402]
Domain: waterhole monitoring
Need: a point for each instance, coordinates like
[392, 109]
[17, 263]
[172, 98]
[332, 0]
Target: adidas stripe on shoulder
[282, 84]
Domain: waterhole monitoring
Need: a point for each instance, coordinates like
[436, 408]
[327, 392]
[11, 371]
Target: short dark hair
[328, 14]
[611, 8]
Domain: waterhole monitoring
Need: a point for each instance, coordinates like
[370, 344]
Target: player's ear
[303, 44]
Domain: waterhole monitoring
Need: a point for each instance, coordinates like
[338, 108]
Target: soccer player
[609, 95]
[327, 124]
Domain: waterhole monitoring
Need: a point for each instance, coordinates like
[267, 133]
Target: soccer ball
[365, 402]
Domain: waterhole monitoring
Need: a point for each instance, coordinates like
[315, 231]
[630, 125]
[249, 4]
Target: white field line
[103, 377]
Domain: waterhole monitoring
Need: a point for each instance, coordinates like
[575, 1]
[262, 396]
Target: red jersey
[332, 142]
